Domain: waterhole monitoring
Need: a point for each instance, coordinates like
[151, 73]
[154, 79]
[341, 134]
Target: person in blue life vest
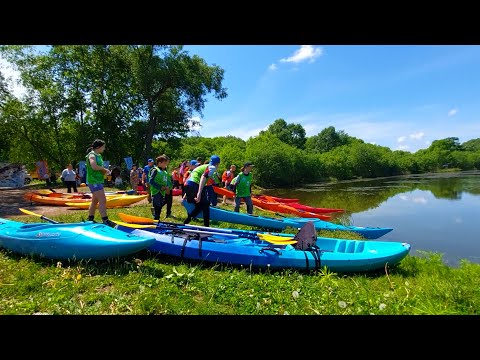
[159, 184]
[196, 192]
[242, 183]
[146, 170]
[95, 173]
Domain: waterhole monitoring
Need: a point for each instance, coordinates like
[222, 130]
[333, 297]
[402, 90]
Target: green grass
[147, 283]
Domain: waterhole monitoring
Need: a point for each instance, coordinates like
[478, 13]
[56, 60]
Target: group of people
[203, 175]
[197, 180]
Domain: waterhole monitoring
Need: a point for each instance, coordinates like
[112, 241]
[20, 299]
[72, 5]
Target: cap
[248, 163]
[150, 160]
[193, 162]
[214, 160]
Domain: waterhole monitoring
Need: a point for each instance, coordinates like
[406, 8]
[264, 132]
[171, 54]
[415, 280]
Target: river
[433, 212]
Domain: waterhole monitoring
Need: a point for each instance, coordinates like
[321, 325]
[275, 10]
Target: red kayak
[312, 209]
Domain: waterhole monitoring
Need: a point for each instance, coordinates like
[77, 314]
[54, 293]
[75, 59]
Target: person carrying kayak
[196, 192]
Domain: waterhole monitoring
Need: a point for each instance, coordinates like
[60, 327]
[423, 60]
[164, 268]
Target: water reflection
[433, 212]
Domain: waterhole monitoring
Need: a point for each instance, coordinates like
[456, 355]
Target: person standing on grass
[227, 178]
[196, 192]
[242, 184]
[69, 177]
[159, 187]
[169, 195]
[134, 178]
[95, 180]
[146, 170]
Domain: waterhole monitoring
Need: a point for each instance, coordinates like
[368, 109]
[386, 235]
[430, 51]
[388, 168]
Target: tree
[172, 86]
[448, 144]
[113, 92]
[472, 145]
[291, 134]
[327, 140]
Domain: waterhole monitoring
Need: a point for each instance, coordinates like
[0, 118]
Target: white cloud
[417, 136]
[419, 200]
[306, 52]
[273, 67]
[452, 112]
[402, 139]
[403, 147]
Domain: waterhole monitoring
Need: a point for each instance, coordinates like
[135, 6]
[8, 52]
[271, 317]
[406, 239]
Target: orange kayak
[52, 200]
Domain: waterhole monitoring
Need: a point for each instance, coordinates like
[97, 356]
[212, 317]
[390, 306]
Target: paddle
[243, 233]
[28, 212]
[273, 239]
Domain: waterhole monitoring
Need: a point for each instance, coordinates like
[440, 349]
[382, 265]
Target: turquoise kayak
[217, 214]
[217, 245]
[74, 241]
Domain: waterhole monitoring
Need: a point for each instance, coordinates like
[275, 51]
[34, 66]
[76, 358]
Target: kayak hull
[74, 241]
[217, 214]
[336, 254]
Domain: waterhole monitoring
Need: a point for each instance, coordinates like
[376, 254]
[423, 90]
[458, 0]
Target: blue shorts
[95, 187]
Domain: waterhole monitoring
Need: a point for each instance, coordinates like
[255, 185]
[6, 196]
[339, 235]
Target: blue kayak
[233, 217]
[75, 241]
[225, 246]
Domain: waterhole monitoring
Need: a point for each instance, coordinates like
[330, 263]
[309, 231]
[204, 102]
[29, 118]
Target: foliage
[472, 145]
[291, 134]
[113, 92]
[327, 140]
[141, 101]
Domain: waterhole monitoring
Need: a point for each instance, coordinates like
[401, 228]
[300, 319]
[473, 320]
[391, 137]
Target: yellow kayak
[112, 202]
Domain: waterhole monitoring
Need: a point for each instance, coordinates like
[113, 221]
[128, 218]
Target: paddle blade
[28, 212]
[135, 226]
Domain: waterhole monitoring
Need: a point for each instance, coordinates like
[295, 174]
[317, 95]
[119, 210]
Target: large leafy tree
[129, 96]
[327, 140]
[172, 86]
[291, 134]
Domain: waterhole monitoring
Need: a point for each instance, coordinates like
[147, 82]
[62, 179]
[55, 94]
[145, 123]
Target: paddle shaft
[227, 232]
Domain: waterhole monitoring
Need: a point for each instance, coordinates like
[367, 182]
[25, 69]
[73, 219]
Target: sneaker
[109, 223]
[187, 220]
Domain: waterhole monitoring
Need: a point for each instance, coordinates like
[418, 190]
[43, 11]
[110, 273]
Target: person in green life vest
[158, 181]
[196, 192]
[243, 187]
[169, 195]
[94, 181]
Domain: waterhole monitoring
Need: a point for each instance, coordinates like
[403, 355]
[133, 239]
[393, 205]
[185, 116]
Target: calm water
[433, 212]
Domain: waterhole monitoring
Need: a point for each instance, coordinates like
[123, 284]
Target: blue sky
[399, 96]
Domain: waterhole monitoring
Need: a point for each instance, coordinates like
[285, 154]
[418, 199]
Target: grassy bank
[146, 283]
